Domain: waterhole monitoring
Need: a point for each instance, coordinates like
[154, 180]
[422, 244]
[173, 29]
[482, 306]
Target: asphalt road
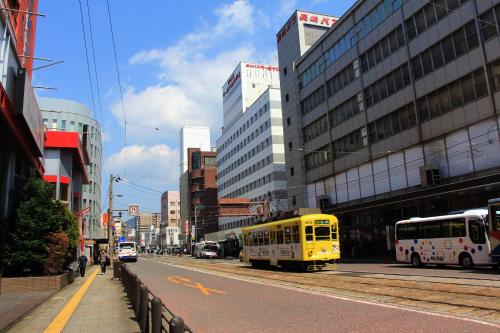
[211, 303]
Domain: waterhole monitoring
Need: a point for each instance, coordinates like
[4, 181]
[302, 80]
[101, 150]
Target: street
[211, 301]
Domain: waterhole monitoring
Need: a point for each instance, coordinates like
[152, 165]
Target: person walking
[103, 258]
[82, 264]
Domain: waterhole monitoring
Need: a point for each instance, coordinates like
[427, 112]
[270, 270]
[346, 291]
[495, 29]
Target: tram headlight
[335, 248]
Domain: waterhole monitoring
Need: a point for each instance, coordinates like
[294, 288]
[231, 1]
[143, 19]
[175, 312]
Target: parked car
[176, 250]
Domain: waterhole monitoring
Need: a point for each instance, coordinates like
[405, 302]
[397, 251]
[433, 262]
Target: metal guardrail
[151, 314]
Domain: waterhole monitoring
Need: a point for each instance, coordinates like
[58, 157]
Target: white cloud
[190, 81]
[287, 7]
[160, 163]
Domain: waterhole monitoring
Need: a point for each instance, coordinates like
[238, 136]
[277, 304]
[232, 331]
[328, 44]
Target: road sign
[133, 210]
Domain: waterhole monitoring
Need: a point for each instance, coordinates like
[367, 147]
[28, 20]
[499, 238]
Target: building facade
[202, 191]
[396, 115]
[170, 218]
[71, 116]
[193, 137]
[21, 126]
[250, 159]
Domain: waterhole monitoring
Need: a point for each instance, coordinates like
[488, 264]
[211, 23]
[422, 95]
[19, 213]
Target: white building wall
[193, 137]
[250, 160]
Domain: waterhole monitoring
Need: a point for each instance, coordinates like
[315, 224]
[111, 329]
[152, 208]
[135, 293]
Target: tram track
[435, 294]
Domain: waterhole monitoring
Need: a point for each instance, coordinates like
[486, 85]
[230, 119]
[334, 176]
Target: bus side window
[272, 237]
[334, 232]
[288, 235]
[454, 228]
[261, 238]
[309, 233]
[477, 232]
[279, 236]
[266, 237]
[295, 234]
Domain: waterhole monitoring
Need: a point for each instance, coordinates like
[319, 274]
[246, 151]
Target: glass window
[411, 31]
[430, 230]
[420, 21]
[416, 68]
[467, 88]
[433, 102]
[54, 123]
[459, 42]
[477, 231]
[488, 25]
[456, 94]
[288, 235]
[426, 62]
[454, 228]
[430, 16]
[322, 233]
[334, 232]
[422, 109]
[471, 35]
[480, 83]
[448, 51]
[444, 100]
[452, 4]
[440, 6]
[437, 56]
[295, 234]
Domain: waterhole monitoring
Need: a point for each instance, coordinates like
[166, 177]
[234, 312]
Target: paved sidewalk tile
[102, 309]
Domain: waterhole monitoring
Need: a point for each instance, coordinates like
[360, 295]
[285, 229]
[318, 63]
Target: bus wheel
[415, 260]
[466, 261]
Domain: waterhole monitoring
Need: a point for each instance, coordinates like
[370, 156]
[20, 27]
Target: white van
[127, 251]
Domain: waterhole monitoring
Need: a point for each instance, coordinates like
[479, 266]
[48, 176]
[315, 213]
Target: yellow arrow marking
[204, 290]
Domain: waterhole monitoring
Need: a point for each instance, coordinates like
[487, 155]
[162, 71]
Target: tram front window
[322, 233]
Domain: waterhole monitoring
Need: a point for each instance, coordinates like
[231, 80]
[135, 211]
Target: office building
[250, 159]
[192, 137]
[170, 218]
[393, 113]
[71, 116]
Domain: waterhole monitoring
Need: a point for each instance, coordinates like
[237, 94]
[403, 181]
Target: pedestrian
[103, 258]
[82, 264]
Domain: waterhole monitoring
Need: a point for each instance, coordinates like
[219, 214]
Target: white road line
[399, 307]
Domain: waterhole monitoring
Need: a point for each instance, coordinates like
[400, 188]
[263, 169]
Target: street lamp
[111, 242]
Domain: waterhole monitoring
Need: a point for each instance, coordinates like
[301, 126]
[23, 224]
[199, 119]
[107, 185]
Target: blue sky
[173, 58]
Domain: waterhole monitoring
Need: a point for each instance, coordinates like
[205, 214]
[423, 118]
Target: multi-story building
[21, 126]
[250, 159]
[170, 218]
[190, 137]
[66, 160]
[71, 116]
[396, 114]
[148, 229]
[202, 191]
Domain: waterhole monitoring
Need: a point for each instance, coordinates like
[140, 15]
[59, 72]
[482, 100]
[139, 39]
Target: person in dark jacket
[82, 264]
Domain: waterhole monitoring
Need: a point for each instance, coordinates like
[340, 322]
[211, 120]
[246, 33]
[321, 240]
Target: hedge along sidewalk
[102, 307]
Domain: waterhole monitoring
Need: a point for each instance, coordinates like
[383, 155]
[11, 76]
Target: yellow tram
[307, 242]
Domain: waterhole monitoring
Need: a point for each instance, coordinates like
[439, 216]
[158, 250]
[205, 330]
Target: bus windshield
[212, 248]
[126, 246]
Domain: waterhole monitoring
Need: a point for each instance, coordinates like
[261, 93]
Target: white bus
[127, 251]
[458, 239]
[206, 249]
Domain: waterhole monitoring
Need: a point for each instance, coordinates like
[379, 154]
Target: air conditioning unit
[430, 175]
[323, 203]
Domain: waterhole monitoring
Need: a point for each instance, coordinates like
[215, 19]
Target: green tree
[31, 237]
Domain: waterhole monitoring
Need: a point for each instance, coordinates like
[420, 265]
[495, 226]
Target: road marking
[318, 293]
[62, 318]
[204, 290]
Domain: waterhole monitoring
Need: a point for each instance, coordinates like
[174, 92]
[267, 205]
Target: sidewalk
[102, 308]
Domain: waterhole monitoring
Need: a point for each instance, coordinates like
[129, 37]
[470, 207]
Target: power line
[119, 84]
[87, 55]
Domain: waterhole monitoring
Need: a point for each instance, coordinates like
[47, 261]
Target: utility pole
[110, 219]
